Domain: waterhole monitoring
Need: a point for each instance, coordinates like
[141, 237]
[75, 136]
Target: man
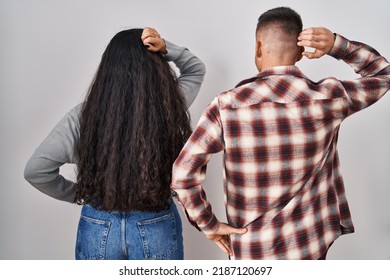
[284, 194]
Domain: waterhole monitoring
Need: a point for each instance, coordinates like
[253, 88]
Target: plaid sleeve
[367, 62]
[189, 169]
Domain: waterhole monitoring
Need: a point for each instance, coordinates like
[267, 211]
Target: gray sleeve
[58, 148]
[192, 70]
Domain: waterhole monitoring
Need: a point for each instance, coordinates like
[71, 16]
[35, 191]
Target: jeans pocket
[92, 237]
[159, 237]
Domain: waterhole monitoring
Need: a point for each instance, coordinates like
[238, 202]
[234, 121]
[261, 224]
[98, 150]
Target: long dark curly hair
[133, 125]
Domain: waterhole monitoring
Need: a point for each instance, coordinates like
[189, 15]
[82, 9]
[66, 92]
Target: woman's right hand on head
[153, 41]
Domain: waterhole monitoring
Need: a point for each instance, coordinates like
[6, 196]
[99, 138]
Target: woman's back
[133, 124]
[124, 139]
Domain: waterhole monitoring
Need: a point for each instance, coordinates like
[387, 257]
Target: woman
[124, 138]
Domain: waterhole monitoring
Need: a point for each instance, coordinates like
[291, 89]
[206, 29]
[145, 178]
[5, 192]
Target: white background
[49, 51]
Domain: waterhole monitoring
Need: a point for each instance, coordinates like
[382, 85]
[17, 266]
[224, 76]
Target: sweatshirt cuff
[174, 51]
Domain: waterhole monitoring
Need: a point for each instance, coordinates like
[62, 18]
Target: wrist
[164, 49]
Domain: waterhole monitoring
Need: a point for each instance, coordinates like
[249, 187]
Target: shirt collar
[281, 70]
[276, 70]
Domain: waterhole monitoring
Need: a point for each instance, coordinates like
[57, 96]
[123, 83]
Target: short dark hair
[287, 18]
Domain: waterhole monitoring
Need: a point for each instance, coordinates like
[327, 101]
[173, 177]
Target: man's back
[279, 133]
[282, 170]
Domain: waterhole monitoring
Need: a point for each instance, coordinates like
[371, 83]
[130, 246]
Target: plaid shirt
[278, 132]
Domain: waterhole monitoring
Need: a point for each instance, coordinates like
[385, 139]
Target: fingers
[313, 42]
[312, 55]
[152, 40]
[149, 32]
[315, 32]
[224, 245]
[319, 38]
[222, 239]
[152, 43]
[238, 231]
[226, 229]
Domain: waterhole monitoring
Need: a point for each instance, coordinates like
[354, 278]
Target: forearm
[189, 172]
[373, 68]
[365, 60]
[192, 70]
[198, 210]
[189, 169]
[43, 168]
[43, 174]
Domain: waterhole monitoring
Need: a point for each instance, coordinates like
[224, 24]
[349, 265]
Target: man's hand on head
[319, 38]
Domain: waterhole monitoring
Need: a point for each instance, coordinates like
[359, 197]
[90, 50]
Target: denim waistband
[131, 212]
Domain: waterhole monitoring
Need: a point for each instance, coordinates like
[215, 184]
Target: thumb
[225, 229]
[239, 230]
[309, 55]
[233, 230]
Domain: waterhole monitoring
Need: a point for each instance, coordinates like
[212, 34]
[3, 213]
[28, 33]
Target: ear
[301, 50]
[258, 54]
[258, 49]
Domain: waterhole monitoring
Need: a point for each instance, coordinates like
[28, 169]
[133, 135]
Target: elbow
[32, 174]
[197, 67]
[201, 68]
[29, 173]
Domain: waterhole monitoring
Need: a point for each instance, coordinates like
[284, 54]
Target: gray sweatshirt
[59, 147]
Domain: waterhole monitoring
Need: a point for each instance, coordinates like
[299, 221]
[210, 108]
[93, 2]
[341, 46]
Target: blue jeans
[134, 235]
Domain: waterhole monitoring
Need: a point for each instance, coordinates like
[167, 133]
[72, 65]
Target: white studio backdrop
[50, 50]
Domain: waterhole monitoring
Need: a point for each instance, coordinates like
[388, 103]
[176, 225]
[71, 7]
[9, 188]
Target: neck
[273, 63]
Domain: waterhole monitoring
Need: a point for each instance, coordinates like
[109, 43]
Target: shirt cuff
[211, 227]
[339, 48]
